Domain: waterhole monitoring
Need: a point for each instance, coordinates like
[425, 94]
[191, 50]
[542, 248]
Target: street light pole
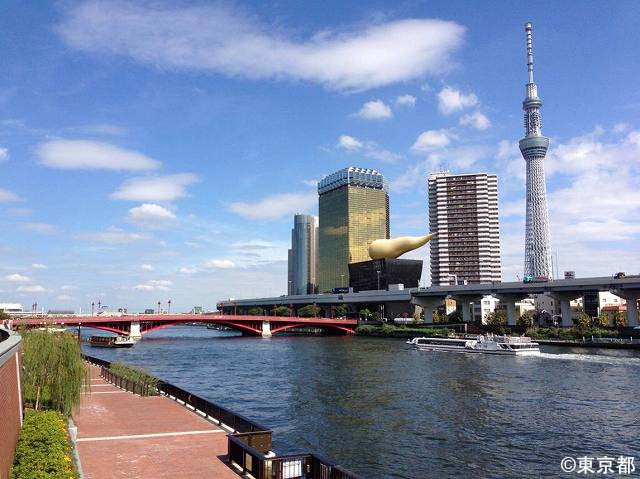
[169, 309]
[378, 273]
[159, 311]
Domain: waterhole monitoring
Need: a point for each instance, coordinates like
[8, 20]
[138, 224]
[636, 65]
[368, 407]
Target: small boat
[112, 341]
[487, 344]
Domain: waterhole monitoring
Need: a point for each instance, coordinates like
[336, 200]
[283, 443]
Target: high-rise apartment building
[354, 212]
[303, 258]
[463, 210]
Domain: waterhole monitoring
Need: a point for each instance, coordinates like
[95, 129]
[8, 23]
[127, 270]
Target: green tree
[54, 372]
[455, 317]
[439, 317]
[620, 319]
[282, 311]
[3, 315]
[340, 310]
[255, 312]
[583, 321]
[309, 311]
[496, 318]
[525, 319]
[602, 321]
[365, 313]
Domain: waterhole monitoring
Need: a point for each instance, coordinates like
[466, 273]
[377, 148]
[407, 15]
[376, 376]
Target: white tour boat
[505, 345]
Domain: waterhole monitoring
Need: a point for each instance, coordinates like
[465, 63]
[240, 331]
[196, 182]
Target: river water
[386, 411]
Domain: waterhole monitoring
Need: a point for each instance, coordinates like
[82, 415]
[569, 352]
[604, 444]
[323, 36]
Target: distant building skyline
[353, 207]
[463, 211]
[303, 255]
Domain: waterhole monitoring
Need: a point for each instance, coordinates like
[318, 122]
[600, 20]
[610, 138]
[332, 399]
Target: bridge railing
[249, 443]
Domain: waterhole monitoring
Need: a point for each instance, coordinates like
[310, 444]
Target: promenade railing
[249, 443]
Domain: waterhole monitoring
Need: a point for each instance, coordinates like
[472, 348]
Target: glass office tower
[303, 255]
[354, 211]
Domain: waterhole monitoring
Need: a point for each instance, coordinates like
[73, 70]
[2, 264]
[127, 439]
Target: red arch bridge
[138, 325]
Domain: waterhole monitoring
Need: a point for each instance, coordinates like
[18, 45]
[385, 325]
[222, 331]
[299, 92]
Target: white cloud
[451, 100]
[219, 264]
[68, 287]
[64, 297]
[4, 154]
[155, 188]
[218, 39]
[375, 110]
[17, 278]
[147, 267]
[188, 270]
[113, 236]
[34, 288]
[275, 206]
[92, 155]
[44, 228]
[154, 285]
[370, 148]
[406, 100]
[150, 215]
[475, 120]
[39, 266]
[7, 196]
[350, 143]
[432, 140]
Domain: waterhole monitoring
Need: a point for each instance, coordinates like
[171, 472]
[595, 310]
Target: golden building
[354, 212]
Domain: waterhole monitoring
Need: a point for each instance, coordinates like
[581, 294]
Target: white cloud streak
[92, 155]
[475, 120]
[276, 206]
[155, 188]
[219, 39]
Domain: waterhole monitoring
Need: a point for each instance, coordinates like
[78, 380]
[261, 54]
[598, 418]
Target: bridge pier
[632, 296]
[428, 305]
[134, 330]
[465, 300]
[565, 306]
[266, 329]
[510, 300]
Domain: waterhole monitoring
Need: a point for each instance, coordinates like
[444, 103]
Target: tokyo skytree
[534, 146]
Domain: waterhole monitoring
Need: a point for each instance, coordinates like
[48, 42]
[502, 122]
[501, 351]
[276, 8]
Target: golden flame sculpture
[393, 248]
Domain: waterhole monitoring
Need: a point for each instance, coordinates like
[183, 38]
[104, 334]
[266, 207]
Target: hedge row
[401, 331]
[134, 374]
[44, 450]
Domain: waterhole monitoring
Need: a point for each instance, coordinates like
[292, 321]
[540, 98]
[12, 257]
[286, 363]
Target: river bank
[387, 411]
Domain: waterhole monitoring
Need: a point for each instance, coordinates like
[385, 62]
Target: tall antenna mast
[527, 28]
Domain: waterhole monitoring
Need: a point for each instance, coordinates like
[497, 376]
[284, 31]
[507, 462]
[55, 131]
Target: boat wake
[593, 358]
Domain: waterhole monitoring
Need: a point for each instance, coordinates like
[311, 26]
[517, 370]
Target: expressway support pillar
[428, 305]
[266, 329]
[510, 301]
[466, 303]
[632, 296]
[134, 331]
[565, 306]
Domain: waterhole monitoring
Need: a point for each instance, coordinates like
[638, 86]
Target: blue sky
[155, 151]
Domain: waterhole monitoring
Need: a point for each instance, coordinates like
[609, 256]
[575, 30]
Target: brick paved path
[121, 435]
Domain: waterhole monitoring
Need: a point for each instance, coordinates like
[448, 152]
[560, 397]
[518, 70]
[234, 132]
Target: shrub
[43, 450]
[309, 311]
[282, 311]
[54, 372]
[365, 330]
[583, 321]
[134, 374]
[525, 320]
[602, 321]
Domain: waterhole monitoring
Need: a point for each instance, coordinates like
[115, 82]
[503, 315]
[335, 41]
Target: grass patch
[44, 450]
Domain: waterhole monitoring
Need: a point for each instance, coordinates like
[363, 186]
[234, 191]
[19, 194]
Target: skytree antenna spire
[534, 146]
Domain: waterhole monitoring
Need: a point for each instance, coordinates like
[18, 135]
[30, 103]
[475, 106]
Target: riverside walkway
[122, 435]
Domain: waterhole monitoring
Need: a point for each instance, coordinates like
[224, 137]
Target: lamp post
[159, 311]
[93, 305]
[378, 273]
[290, 292]
[169, 308]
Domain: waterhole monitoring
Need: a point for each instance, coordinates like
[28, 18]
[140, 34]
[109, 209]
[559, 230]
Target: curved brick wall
[10, 399]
